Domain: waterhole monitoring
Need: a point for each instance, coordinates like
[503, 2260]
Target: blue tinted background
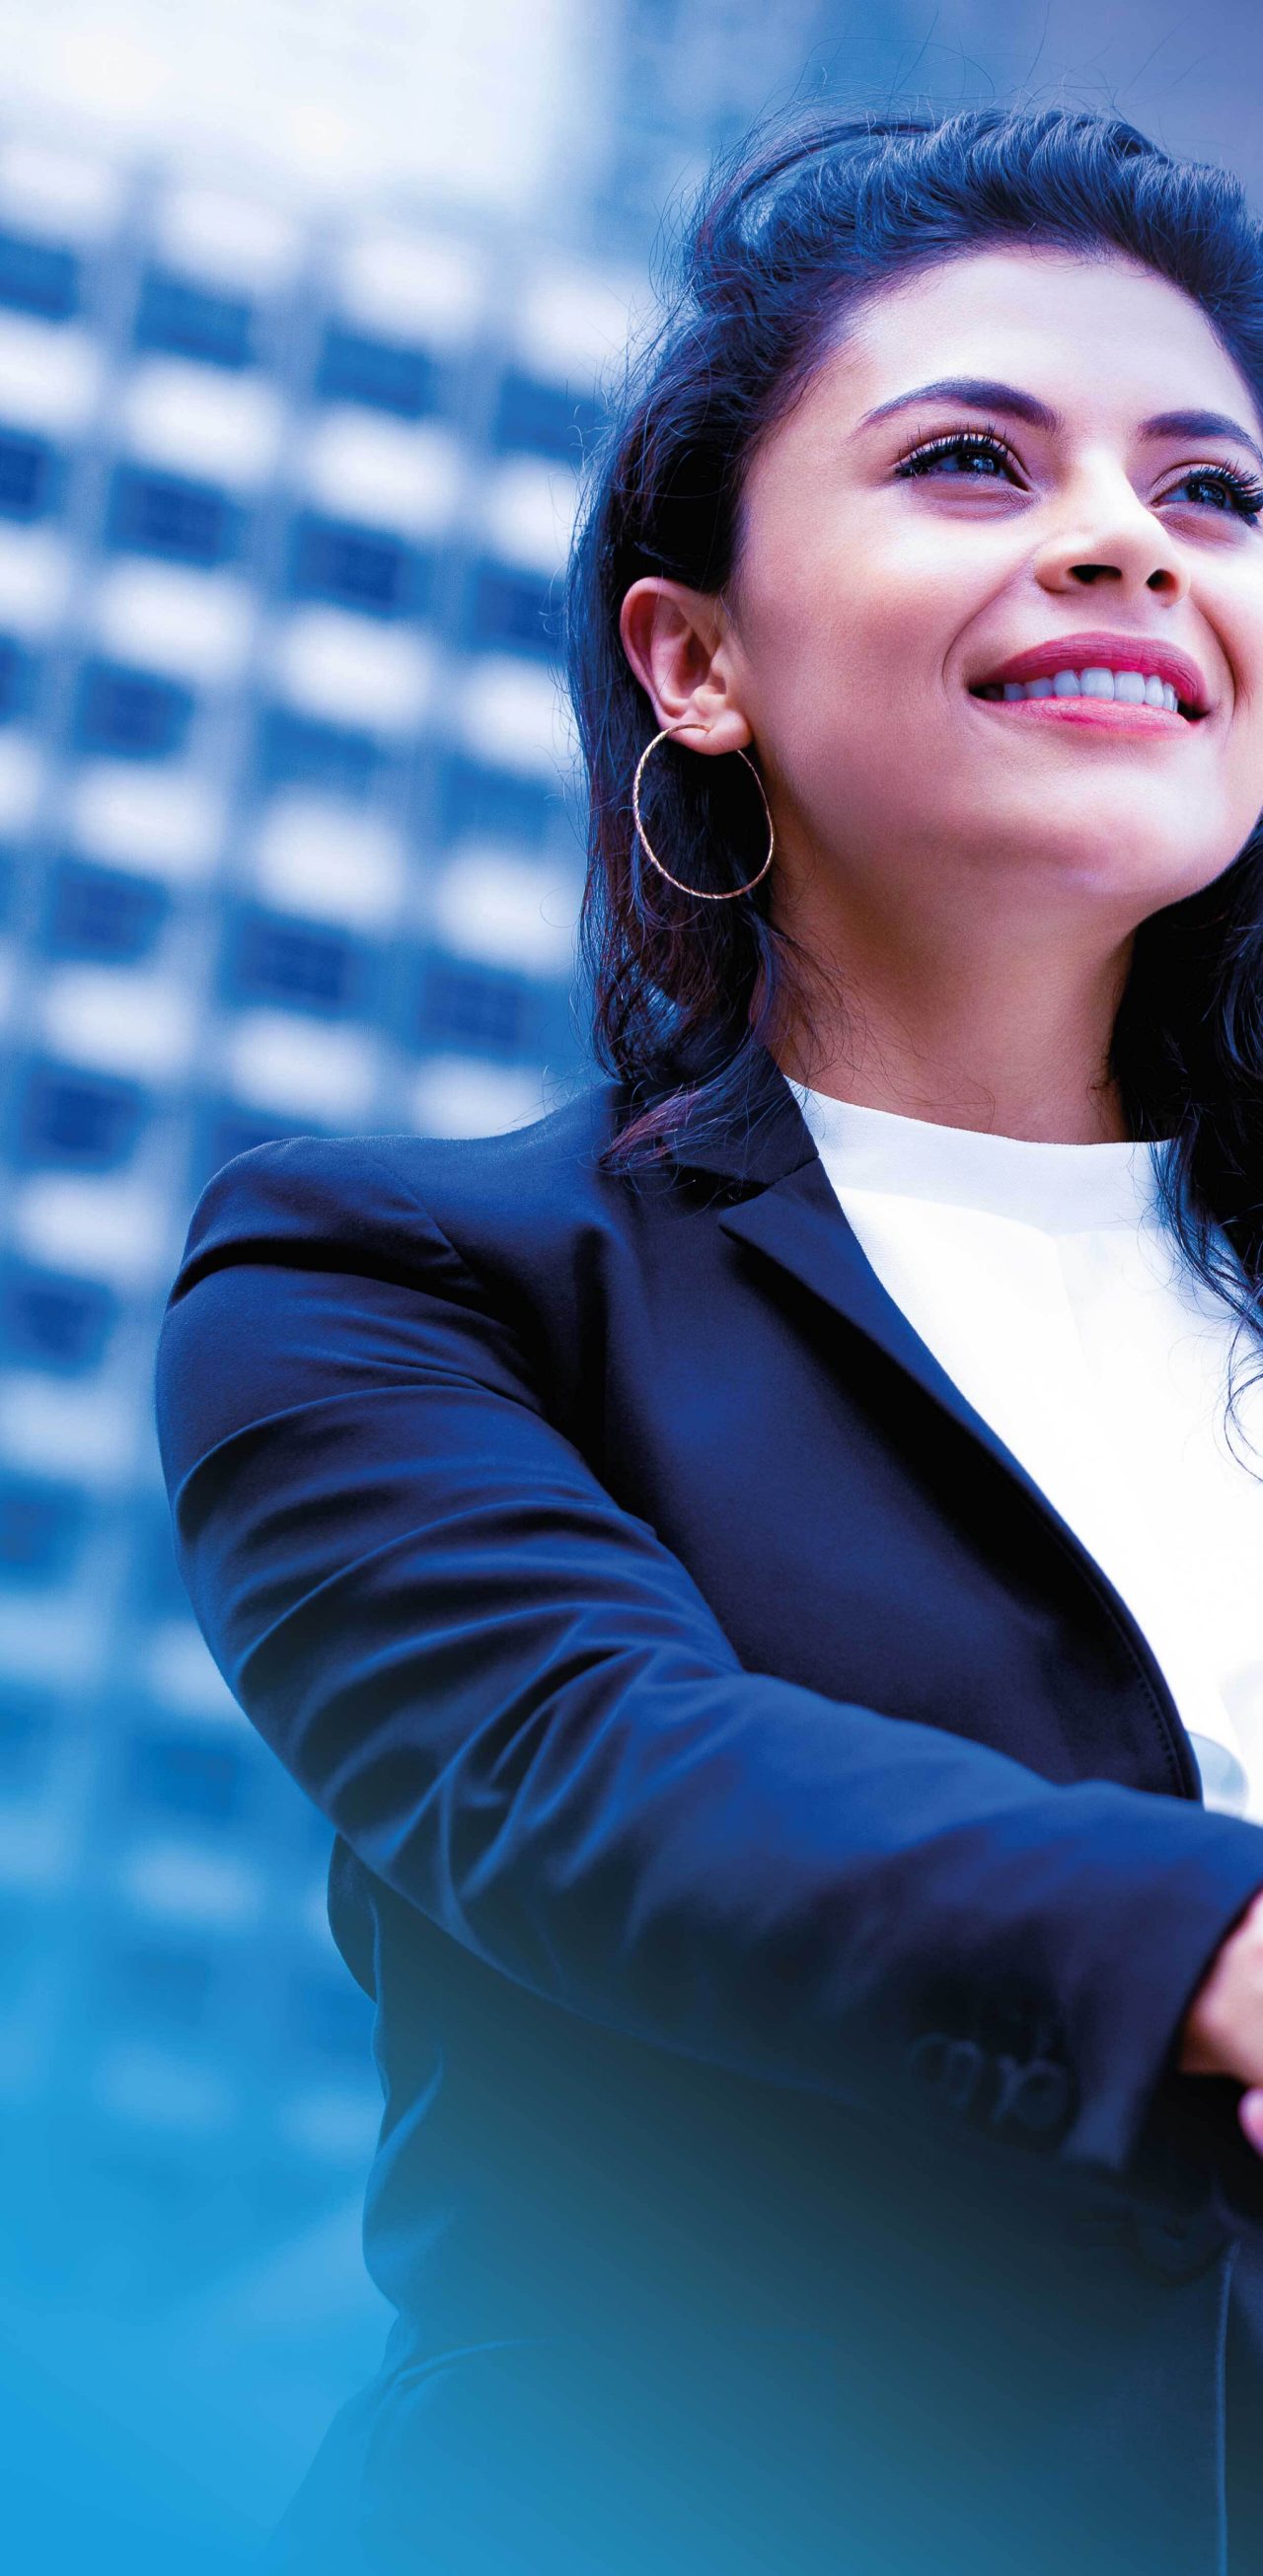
[289, 433]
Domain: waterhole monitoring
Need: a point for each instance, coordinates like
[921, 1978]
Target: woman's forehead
[1097, 333]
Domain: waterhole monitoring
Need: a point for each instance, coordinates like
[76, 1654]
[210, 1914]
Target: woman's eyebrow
[982, 393]
[1199, 424]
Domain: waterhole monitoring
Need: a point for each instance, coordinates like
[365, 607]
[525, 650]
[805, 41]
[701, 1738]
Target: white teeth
[1129, 687]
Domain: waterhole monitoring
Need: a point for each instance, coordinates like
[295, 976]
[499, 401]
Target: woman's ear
[677, 642]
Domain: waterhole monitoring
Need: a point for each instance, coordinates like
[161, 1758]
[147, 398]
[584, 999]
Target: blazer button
[927, 2056]
[963, 2072]
[1037, 2098]
[952, 2068]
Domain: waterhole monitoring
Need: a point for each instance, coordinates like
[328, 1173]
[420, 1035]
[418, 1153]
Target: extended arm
[514, 1703]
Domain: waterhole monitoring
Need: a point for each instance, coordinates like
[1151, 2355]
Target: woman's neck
[1010, 1046]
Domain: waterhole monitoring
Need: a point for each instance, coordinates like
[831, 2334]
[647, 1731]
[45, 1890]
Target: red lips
[1085, 652]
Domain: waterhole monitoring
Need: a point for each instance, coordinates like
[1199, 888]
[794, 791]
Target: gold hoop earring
[699, 892]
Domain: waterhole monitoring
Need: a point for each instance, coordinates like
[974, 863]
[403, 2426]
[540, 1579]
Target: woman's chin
[1104, 843]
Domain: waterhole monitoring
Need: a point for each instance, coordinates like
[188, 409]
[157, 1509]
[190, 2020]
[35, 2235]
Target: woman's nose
[1121, 544]
[1162, 577]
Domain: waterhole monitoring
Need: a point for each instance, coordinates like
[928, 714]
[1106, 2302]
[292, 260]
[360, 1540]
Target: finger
[1250, 2115]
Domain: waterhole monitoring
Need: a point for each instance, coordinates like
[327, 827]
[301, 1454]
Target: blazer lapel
[793, 1218]
[797, 1224]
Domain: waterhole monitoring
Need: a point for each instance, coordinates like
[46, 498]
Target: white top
[1046, 1284]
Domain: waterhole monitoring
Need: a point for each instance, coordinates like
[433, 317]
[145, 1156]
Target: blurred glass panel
[478, 803]
[191, 321]
[273, 958]
[39, 277]
[299, 751]
[162, 514]
[164, 1988]
[515, 608]
[30, 475]
[30, 1727]
[361, 568]
[131, 713]
[484, 1008]
[174, 1775]
[90, 1121]
[52, 1321]
[103, 912]
[385, 375]
[17, 679]
[545, 419]
[42, 1526]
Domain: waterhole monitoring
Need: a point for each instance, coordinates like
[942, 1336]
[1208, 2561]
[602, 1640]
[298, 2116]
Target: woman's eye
[1231, 493]
[969, 454]
[975, 456]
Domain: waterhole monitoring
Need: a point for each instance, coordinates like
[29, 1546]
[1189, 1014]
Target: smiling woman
[749, 1564]
[925, 390]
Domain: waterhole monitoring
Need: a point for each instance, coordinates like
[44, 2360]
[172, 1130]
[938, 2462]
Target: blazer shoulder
[360, 1200]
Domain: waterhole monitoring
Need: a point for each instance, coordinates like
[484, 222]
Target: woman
[754, 1565]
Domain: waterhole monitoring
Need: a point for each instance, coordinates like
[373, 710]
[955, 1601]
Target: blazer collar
[791, 1217]
[792, 1221]
[764, 1137]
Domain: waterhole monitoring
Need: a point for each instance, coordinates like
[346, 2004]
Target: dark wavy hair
[793, 231]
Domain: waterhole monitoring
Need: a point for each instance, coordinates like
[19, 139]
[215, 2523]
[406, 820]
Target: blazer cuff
[1166, 2135]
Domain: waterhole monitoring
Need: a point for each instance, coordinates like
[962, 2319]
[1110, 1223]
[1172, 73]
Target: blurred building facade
[286, 846]
[289, 842]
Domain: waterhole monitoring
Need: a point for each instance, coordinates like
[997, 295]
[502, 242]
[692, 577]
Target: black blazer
[777, 1860]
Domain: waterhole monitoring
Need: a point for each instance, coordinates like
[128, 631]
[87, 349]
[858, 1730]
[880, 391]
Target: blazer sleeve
[515, 1705]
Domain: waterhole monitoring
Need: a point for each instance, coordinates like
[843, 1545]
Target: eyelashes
[1242, 496]
[976, 442]
[1245, 497]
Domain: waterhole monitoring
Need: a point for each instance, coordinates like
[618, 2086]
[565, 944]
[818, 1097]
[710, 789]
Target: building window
[90, 1122]
[158, 1586]
[104, 913]
[192, 322]
[55, 1322]
[230, 1131]
[17, 680]
[386, 375]
[514, 609]
[360, 569]
[300, 751]
[493, 804]
[166, 1989]
[485, 1008]
[24, 1735]
[131, 713]
[547, 420]
[184, 1775]
[163, 514]
[38, 277]
[334, 2019]
[41, 1527]
[31, 476]
[276, 959]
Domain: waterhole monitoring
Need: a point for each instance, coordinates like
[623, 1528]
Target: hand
[1223, 2028]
